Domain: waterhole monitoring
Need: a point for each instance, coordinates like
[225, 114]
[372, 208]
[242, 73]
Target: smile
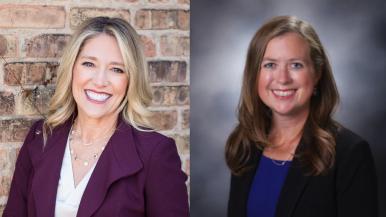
[97, 96]
[284, 93]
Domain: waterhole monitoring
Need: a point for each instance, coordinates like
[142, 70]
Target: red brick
[167, 71]
[158, 1]
[5, 184]
[186, 167]
[29, 73]
[78, 15]
[184, 2]
[7, 160]
[8, 46]
[148, 46]
[13, 73]
[167, 96]
[14, 130]
[164, 120]
[185, 119]
[164, 19]
[31, 16]
[172, 45]
[142, 19]
[183, 20]
[46, 45]
[182, 143]
[36, 102]
[7, 102]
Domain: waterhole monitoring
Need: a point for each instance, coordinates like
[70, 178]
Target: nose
[101, 78]
[283, 75]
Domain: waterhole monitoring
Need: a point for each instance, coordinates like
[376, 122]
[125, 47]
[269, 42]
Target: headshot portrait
[98, 133]
[265, 65]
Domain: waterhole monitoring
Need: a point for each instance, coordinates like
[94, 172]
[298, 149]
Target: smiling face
[287, 77]
[99, 79]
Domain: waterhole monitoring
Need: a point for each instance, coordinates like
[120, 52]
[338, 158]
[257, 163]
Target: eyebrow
[292, 59]
[95, 59]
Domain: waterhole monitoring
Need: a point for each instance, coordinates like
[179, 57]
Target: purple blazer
[138, 174]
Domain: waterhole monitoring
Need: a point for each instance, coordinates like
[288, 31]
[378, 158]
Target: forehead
[288, 45]
[102, 47]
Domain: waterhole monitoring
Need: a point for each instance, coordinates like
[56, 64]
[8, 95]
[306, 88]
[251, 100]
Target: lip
[284, 94]
[97, 97]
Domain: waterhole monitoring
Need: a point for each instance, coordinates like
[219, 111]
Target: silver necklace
[86, 161]
[282, 163]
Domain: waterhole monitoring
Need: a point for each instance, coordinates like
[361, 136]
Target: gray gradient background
[354, 35]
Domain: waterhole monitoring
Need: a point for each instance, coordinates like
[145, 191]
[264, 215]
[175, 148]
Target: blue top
[266, 187]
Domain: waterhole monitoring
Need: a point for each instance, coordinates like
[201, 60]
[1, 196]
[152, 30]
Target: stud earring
[315, 92]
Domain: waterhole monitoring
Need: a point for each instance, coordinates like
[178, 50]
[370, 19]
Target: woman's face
[99, 79]
[287, 76]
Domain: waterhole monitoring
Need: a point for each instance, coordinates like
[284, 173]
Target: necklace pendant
[85, 163]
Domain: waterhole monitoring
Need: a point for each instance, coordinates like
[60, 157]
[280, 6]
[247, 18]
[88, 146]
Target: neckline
[278, 163]
[85, 177]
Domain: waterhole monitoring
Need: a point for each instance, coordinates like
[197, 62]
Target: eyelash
[269, 65]
[293, 65]
[89, 64]
[117, 70]
[296, 65]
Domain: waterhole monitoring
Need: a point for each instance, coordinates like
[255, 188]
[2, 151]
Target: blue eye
[296, 65]
[269, 65]
[88, 64]
[117, 70]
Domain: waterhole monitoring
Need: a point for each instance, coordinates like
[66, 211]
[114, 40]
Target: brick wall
[32, 36]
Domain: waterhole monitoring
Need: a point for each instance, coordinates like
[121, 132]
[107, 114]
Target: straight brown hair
[255, 117]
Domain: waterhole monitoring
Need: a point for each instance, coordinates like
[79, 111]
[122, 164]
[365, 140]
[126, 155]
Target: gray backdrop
[354, 35]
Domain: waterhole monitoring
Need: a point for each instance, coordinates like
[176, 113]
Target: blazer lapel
[119, 159]
[47, 171]
[244, 183]
[293, 187]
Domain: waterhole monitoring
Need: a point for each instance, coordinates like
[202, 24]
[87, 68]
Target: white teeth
[283, 92]
[97, 96]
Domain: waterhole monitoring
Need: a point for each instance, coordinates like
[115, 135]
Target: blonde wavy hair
[133, 107]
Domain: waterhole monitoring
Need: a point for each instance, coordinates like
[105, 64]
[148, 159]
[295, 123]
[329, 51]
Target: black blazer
[349, 189]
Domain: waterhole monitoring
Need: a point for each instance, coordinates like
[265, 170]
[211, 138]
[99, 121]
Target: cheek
[120, 85]
[77, 76]
[263, 82]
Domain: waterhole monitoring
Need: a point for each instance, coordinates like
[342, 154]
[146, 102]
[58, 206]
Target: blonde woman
[287, 155]
[95, 154]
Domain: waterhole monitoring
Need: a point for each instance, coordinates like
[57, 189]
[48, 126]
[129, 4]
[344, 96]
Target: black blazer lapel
[47, 171]
[293, 187]
[119, 159]
[240, 187]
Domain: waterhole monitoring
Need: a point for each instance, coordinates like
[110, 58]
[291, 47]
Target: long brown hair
[255, 117]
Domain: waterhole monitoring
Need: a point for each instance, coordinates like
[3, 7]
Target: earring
[315, 92]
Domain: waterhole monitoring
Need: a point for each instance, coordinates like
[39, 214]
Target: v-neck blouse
[68, 196]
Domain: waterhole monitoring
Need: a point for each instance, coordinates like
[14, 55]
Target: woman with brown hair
[288, 157]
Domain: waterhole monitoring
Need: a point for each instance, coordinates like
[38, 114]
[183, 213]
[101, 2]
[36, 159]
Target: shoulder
[35, 133]
[352, 151]
[149, 142]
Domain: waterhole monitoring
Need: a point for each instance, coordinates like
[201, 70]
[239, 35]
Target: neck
[287, 130]
[91, 128]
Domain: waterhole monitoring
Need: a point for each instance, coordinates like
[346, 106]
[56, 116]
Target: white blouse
[68, 196]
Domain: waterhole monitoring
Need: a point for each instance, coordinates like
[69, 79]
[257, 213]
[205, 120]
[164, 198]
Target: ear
[317, 76]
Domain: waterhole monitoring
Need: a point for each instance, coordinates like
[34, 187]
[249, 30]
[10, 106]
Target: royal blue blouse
[266, 187]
